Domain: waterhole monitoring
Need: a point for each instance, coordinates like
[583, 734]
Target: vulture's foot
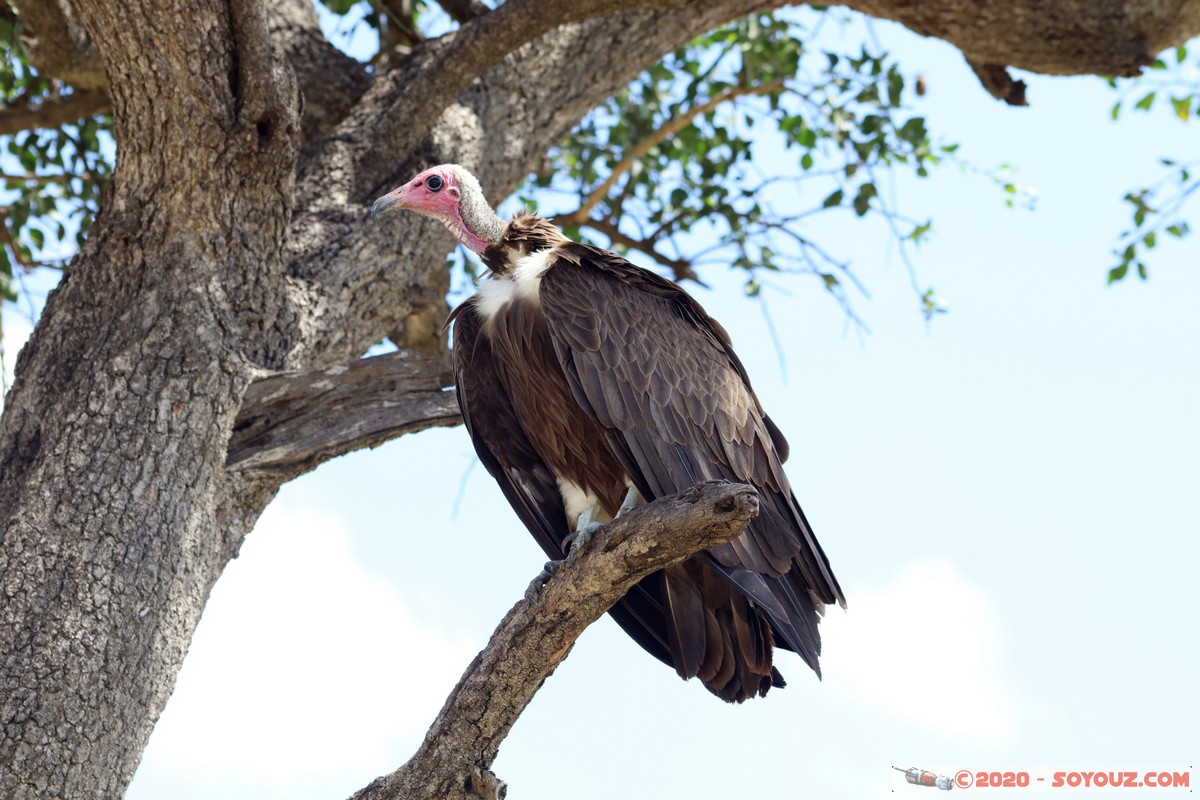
[535, 585]
[578, 540]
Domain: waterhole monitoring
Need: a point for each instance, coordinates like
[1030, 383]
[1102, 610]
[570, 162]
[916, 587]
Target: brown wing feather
[660, 376]
[498, 436]
[508, 455]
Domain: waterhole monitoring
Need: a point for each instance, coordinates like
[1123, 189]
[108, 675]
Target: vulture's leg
[632, 498]
[585, 526]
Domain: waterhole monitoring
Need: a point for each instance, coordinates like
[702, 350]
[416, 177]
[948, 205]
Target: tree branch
[60, 47]
[357, 282]
[533, 639]
[463, 10]
[669, 129]
[54, 113]
[999, 83]
[680, 268]
[425, 84]
[291, 422]
[331, 81]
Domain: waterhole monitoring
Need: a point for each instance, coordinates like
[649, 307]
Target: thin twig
[669, 129]
[32, 178]
[680, 268]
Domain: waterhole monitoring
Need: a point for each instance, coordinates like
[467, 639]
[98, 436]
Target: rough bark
[149, 424]
[112, 448]
[454, 762]
[330, 81]
[1055, 37]
[59, 46]
[291, 422]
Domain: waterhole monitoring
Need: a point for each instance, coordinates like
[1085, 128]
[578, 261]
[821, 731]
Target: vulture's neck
[481, 227]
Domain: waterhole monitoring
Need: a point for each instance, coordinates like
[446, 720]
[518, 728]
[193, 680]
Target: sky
[1007, 496]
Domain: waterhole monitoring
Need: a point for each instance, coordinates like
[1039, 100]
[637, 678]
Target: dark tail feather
[685, 620]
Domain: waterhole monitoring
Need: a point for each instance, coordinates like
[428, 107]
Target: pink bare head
[451, 194]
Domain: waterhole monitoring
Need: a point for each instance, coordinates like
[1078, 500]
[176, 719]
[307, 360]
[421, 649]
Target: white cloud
[928, 649]
[16, 331]
[304, 665]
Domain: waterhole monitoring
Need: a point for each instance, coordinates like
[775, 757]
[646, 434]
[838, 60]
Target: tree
[180, 373]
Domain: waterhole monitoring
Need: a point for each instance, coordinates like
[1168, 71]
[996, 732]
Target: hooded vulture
[589, 384]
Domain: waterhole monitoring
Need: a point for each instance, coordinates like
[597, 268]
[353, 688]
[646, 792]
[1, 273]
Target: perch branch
[293, 421]
[454, 762]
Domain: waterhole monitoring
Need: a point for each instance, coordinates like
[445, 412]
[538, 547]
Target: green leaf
[862, 200]
[1117, 273]
[1182, 106]
[834, 199]
[913, 131]
[1146, 101]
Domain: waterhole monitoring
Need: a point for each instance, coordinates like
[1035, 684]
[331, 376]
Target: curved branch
[681, 268]
[291, 422]
[54, 113]
[463, 10]
[417, 92]
[60, 47]
[537, 634]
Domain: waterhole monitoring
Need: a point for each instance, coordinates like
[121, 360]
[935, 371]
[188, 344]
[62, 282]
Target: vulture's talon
[537, 584]
[577, 540]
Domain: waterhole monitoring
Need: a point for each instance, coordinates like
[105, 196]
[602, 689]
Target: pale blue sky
[1008, 497]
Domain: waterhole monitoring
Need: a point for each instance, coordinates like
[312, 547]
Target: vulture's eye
[435, 183]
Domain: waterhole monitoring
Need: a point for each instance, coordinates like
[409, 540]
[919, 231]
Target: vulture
[590, 385]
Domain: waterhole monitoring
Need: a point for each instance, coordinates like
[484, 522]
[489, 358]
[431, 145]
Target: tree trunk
[225, 254]
[114, 437]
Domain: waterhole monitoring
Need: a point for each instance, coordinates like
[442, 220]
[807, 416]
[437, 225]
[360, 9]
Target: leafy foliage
[727, 152]
[52, 178]
[1156, 210]
[745, 137]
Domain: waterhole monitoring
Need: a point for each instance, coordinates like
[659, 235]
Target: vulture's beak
[384, 203]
